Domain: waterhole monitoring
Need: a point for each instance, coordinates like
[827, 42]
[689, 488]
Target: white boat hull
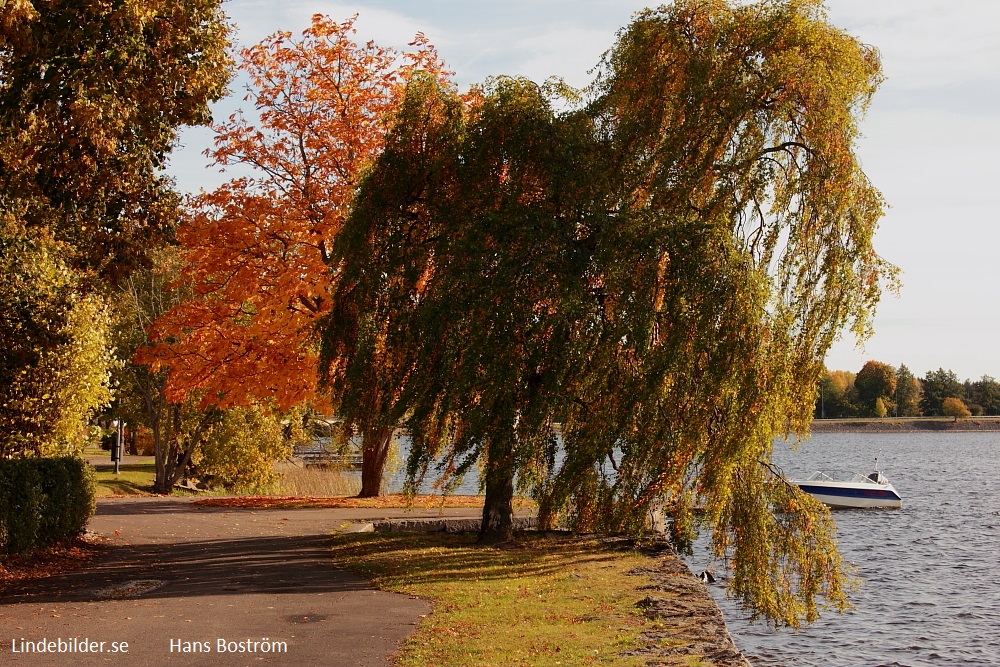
[850, 495]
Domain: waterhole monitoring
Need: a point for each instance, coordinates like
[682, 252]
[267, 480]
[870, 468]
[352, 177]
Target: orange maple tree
[255, 247]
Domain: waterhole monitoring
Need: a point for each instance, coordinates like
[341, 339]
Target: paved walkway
[185, 578]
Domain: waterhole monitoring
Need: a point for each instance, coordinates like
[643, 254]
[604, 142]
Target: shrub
[240, 452]
[43, 500]
[954, 407]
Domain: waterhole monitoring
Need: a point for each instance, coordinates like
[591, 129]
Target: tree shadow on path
[253, 565]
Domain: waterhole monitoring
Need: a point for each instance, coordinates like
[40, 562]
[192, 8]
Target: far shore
[905, 424]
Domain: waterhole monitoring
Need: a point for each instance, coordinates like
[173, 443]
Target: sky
[931, 138]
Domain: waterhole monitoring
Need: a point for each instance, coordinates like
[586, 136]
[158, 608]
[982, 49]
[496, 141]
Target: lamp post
[116, 444]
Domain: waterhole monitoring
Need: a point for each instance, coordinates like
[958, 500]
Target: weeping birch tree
[660, 270]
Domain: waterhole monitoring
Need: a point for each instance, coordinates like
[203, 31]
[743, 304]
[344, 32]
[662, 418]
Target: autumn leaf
[255, 248]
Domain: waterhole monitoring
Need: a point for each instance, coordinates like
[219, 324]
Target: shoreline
[690, 613]
[906, 425]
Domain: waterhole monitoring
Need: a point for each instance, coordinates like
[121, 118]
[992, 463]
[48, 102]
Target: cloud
[927, 43]
[256, 19]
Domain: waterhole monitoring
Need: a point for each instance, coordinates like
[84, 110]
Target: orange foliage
[255, 247]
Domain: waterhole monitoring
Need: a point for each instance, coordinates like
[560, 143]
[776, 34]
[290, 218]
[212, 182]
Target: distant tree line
[879, 390]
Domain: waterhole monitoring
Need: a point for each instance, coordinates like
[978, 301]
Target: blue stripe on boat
[849, 493]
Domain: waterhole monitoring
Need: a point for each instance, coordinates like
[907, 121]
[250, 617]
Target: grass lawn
[551, 599]
[294, 489]
[134, 479]
[136, 475]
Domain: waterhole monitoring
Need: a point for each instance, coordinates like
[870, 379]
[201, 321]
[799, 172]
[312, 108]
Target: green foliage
[876, 385]
[240, 450]
[91, 95]
[879, 410]
[908, 393]
[985, 393]
[42, 501]
[836, 395]
[937, 386]
[661, 271]
[55, 363]
[794, 537]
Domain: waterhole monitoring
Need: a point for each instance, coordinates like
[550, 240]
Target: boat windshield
[873, 477]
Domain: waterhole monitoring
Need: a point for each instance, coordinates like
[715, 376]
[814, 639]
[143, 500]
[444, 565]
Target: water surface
[931, 570]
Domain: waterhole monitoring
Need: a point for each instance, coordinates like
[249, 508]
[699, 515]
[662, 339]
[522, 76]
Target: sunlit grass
[550, 600]
[392, 501]
[134, 479]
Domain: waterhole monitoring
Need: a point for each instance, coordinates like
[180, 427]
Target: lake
[931, 578]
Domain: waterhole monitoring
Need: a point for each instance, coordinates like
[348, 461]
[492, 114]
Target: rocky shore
[693, 629]
[903, 425]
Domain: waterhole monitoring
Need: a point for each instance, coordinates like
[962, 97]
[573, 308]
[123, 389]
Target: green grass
[134, 479]
[549, 600]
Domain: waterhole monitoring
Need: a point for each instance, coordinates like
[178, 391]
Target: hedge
[42, 501]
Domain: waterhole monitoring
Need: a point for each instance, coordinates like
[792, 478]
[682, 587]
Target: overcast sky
[931, 138]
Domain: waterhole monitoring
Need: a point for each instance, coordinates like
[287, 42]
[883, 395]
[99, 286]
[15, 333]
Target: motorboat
[851, 490]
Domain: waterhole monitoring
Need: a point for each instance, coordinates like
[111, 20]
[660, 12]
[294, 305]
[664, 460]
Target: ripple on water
[931, 581]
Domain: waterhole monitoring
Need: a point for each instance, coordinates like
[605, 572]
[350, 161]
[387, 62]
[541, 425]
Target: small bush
[955, 407]
[240, 451]
[144, 445]
[43, 501]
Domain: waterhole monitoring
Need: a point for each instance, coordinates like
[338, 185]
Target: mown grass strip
[549, 600]
[134, 479]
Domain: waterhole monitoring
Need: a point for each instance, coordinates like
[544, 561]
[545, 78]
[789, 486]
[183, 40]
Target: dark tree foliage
[91, 95]
[908, 393]
[876, 387]
[937, 386]
[983, 393]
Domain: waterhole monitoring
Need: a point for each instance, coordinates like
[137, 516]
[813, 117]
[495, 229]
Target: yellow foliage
[240, 451]
[56, 361]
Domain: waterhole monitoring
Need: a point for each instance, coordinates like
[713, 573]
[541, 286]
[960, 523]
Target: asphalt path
[192, 585]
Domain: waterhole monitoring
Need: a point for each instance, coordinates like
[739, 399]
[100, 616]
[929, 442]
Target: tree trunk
[375, 446]
[165, 437]
[498, 509]
[159, 424]
[167, 444]
[546, 513]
